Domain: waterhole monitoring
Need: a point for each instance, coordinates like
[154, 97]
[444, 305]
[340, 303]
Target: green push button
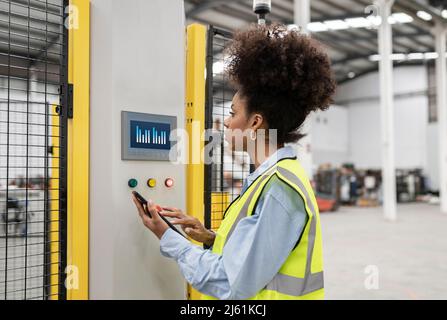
[132, 183]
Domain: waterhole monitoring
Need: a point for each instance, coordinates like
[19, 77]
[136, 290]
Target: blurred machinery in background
[327, 188]
[410, 185]
[348, 186]
[370, 182]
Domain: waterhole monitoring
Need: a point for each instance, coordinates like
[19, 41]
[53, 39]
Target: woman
[269, 244]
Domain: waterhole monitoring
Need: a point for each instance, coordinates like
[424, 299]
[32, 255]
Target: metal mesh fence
[224, 177]
[33, 69]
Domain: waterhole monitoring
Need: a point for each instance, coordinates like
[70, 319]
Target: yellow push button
[151, 183]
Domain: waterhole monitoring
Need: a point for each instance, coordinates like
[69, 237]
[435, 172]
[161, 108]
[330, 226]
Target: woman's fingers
[153, 210]
[180, 218]
[170, 208]
[185, 222]
[139, 206]
[191, 232]
[172, 214]
[141, 211]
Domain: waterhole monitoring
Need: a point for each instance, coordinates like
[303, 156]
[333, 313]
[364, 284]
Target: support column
[387, 111]
[301, 14]
[441, 90]
[304, 148]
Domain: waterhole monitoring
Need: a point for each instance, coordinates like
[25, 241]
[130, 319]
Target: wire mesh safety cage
[224, 177]
[33, 132]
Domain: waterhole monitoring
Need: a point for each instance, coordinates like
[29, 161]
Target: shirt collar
[282, 153]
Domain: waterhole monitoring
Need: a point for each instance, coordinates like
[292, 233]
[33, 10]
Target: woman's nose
[226, 123]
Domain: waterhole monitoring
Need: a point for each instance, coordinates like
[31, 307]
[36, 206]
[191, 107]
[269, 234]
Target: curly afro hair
[282, 74]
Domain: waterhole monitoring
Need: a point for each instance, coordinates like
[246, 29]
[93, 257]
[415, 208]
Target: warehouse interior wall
[405, 79]
[330, 136]
[137, 64]
[415, 137]
[411, 127]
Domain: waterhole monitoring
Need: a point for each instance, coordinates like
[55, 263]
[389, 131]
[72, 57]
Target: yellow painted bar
[78, 152]
[195, 124]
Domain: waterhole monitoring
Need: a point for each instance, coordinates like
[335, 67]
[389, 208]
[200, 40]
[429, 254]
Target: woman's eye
[232, 114]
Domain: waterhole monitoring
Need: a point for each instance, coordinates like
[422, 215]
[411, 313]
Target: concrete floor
[409, 255]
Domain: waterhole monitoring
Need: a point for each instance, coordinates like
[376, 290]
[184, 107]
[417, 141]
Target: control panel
[137, 104]
[151, 183]
[146, 136]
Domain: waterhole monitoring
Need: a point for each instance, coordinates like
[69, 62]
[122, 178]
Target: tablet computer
[144, 202]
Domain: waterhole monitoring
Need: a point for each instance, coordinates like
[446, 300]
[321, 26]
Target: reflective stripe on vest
[298, 286]
[281, 283]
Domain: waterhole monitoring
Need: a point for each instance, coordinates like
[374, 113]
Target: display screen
[150, 135]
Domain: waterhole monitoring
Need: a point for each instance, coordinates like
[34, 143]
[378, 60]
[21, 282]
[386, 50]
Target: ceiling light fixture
[358, 22]
[317, 27]
[336, 24]
[401, 17]
[424, 15]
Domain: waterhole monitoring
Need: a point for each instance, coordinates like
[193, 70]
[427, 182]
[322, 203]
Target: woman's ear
[257, 121]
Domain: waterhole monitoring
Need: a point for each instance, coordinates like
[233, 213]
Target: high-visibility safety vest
[301, 275]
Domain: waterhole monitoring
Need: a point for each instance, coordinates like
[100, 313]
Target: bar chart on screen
[149, 135]
[145, 137]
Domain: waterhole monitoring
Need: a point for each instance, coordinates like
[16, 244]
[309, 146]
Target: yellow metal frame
[77, 163]
[78, 149]
[195, 124]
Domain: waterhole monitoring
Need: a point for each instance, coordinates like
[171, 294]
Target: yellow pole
[78, 152]
[195, 124]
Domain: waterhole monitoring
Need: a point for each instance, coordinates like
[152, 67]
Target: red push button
[169, 182]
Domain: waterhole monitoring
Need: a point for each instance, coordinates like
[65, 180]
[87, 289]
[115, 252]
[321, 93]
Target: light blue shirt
[257, 248]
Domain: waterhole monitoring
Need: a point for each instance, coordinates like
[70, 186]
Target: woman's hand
[190, 225]
[156, 223]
